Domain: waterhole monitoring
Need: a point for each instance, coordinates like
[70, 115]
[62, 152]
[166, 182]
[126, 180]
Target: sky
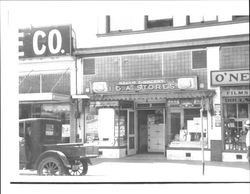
[85, 15]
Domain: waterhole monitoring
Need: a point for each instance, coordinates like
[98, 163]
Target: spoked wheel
[78, 168]
[50, 167]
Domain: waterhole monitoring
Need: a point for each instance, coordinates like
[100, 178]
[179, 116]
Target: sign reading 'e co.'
[230, 77]
[45, 41]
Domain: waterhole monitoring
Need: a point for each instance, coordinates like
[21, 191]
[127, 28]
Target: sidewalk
[158, 169]
[162, 170]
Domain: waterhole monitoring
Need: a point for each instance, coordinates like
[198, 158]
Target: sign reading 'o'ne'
[230, 77]
[45, 41]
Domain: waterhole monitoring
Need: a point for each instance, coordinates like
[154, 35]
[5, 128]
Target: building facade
[47, 76]
[152, 90]
[168, 86]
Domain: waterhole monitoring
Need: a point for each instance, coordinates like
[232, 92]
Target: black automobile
[41, 148]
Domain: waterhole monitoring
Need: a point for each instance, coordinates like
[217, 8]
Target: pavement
[154, 169]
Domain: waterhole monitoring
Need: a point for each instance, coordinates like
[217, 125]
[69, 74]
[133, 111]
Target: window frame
[192, 66]
[94, 66]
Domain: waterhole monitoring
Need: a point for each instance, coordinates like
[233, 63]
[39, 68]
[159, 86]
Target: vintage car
[41, 149]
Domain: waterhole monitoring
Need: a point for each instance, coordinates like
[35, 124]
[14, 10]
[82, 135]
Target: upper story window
[156, 23]
[240, 17]
[88, 66]
[199, 59]
[201, 19]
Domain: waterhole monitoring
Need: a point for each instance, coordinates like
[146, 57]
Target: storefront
[46, 76]
[235, 105]
[48, 105]
[148, 116]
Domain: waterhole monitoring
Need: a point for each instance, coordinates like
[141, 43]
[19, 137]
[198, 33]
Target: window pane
[88, 66]
[175, 126]
[131, 123]
[234, 134]
[131, 142]
[91, 131]
[199, 59]
[230, 111]
[243, 111]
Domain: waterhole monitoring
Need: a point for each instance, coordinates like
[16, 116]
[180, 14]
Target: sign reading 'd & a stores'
[45, 41]
[230, 77]
[146, 85]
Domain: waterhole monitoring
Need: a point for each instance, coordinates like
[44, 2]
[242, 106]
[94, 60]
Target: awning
[156, 96]
[42, 97]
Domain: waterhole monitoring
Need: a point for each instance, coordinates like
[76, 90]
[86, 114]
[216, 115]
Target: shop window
[199, 59]
[121, 124]
[106, 127]
[243, 111]
[61, 112]
[234, 132]
[91, 131]
[88, 66]
[24, 111]
[188, 134]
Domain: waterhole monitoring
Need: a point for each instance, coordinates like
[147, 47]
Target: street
[134, 169]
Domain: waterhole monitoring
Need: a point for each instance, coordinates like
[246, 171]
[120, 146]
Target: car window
[21, 129]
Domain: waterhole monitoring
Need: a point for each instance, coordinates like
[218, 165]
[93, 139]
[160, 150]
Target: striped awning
[155, 96]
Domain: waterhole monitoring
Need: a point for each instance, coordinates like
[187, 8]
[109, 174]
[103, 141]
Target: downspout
[202, 135]
[77, 103]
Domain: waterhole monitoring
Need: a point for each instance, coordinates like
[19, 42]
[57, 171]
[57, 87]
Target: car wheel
[50, 166]
[78, 168]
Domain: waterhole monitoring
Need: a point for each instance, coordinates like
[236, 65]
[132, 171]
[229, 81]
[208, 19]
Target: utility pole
[202, 136]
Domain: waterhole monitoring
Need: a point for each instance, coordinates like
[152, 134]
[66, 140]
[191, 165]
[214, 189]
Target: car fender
[87, 160]
[53, 153]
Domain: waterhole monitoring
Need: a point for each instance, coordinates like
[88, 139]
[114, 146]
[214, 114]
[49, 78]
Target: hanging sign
[217, 115]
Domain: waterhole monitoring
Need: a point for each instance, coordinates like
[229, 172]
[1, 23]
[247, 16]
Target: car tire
[78, 168]
[50, 166]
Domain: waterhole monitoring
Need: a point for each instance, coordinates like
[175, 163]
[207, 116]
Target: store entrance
[151, 131]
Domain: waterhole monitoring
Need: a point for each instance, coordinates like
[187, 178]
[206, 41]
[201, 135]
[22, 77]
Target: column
[73, 131]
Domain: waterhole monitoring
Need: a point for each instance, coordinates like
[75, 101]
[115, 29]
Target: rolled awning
[42, 97]
[155, 96]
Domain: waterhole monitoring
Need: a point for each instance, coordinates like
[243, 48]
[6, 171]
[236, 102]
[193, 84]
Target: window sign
[49, 130]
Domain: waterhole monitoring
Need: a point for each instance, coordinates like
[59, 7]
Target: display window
[185, 127]
[234, 133]
[106, 126]
[121, 119]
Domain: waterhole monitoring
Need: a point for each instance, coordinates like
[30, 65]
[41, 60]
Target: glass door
[131, 146]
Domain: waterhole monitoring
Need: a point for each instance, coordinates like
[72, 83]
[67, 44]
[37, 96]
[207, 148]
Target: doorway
[175, 125]
[151, 130]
